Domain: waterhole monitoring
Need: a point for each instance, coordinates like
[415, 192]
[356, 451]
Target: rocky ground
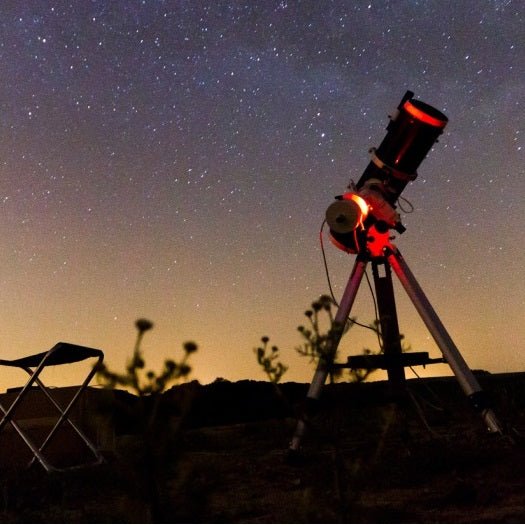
[222, 457]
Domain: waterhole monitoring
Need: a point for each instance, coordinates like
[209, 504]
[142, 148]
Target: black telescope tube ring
[392, 171]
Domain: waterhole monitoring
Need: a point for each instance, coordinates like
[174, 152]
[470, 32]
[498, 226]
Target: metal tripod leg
[391, 339]
[464, 375]
[323, 367]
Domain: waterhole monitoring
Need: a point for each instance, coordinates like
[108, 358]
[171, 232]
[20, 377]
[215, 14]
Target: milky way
[174, 160]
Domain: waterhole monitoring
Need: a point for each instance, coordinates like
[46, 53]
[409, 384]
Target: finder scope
[411, 132]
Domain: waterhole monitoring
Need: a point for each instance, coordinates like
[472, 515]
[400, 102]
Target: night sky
[174, 160]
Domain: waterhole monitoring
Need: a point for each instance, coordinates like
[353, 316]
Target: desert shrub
[156, 419]
[322, 335]
[148, 383]
[319, 341]
[267, 358]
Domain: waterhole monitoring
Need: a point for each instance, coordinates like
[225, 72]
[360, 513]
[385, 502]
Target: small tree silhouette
[274, 369]
[156, 443]
[319, 342]
[267, 359]
[148, 383]
[322, 345]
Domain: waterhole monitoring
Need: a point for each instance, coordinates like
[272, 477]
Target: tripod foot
[492, 422]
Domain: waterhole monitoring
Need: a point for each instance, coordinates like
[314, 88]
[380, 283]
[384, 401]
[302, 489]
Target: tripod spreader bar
[464, 375]
[383, 361]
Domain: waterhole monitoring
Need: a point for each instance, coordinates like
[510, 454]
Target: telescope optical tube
[411, 134]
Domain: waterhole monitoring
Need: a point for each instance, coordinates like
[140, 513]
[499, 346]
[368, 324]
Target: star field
[174, 160]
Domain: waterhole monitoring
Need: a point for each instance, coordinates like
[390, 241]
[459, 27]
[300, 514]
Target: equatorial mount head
[411, 133]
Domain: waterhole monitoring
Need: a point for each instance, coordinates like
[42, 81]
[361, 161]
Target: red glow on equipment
[418, 113]
[361, 203]
[347, 214]
[346, 218]
[345, 247]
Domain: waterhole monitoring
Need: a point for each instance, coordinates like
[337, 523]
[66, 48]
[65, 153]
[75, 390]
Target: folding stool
[60, 354]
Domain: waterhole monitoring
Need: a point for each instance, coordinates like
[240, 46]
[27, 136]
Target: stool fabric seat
[60, 354]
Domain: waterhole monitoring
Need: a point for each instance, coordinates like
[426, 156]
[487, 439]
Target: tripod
[381, 252]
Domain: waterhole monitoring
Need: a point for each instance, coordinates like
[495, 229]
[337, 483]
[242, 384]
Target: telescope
[411, 133]
[360, 221]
